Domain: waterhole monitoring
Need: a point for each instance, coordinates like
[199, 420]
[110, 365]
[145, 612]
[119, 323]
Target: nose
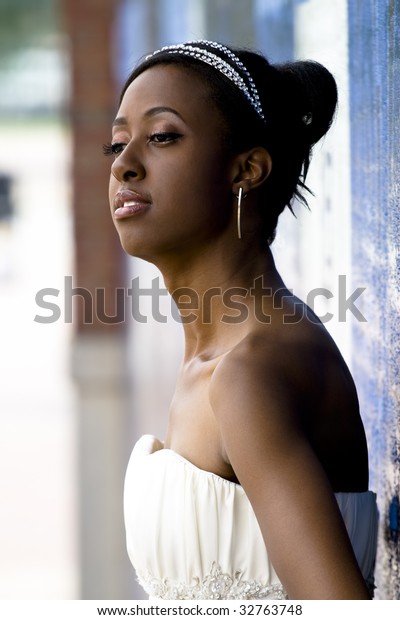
[127, 166]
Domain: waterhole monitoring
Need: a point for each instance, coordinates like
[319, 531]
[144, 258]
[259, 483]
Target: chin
[137, 248]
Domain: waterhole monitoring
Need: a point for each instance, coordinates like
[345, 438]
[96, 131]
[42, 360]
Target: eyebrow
[160, 110]
[122, 120]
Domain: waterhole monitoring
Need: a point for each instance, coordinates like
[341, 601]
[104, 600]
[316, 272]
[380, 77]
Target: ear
[251, 169]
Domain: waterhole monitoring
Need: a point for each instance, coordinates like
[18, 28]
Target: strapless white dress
[193, 535]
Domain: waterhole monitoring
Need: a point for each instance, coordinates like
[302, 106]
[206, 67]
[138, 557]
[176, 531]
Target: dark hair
[298, 100]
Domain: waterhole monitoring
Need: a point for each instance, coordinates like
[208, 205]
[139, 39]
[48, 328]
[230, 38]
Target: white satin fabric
[193, 535]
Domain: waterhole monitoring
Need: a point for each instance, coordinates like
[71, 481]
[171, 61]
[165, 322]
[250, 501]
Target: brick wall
[98, 351]
[98, 257]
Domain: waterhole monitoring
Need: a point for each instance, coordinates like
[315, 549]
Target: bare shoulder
[270, 390]
[281, 366]
[259, 395]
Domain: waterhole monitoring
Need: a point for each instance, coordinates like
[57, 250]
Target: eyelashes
[163, 137]
[113, 149]
[156, 138]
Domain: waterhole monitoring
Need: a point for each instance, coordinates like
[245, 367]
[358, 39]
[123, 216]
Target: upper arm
[257, 407]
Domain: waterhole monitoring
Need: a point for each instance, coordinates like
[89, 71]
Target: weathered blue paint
[273, 22]
[133, 36]
[173, 22]
[374, 57]
[394, 526]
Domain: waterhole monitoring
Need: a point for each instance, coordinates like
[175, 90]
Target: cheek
[210, 183]
[198, 197]
[200, 175]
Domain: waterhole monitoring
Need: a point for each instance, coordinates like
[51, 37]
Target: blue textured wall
[273, 22]
[374, 56]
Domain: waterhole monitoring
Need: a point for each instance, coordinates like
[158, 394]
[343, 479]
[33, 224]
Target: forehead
[168, 86]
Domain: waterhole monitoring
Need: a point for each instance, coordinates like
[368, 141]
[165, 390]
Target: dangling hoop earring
[239, 208]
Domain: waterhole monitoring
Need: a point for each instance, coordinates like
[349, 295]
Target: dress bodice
[193, 535]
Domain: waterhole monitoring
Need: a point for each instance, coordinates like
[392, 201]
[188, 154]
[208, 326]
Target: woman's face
[171, 179]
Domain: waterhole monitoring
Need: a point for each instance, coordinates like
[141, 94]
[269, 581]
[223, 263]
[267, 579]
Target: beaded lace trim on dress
[216, 585]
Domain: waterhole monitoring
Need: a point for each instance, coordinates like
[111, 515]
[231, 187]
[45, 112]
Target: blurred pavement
[38, 513]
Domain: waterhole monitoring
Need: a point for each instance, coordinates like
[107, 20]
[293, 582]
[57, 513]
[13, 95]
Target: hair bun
[311, 96]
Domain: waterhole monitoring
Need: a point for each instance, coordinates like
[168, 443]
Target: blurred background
[80, 382]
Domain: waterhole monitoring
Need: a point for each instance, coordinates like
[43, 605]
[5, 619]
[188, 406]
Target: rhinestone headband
[228, 69]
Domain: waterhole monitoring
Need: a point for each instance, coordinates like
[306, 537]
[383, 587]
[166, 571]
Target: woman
[261, 487]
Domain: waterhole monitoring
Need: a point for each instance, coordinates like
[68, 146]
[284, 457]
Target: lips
[128, 203]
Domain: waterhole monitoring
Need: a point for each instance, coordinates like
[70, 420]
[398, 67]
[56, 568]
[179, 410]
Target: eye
[113, 149]
[163, 137]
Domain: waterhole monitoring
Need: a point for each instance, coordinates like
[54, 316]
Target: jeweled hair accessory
[228, 69]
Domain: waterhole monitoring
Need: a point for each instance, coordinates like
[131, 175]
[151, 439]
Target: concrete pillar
[98, 353]
[98, 368]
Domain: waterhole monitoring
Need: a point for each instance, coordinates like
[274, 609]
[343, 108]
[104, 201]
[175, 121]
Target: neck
[217, 291]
